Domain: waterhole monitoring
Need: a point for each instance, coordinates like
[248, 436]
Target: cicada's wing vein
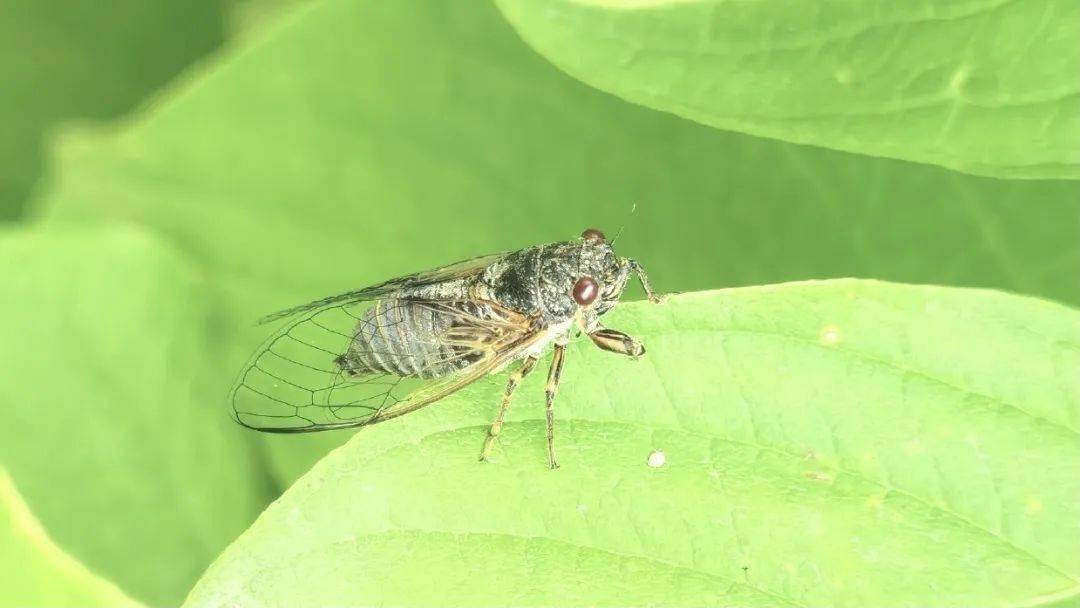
[299, 381]
[457, 270]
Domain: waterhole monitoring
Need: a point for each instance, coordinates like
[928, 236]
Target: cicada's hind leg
[511, 385]
[554, 374]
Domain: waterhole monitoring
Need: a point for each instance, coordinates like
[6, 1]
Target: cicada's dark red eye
[593, 235]
[585, 291]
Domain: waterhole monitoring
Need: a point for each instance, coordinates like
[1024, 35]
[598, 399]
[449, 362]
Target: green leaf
[984, 87]
[362, 140]
[844, 443]
[36, 571]
[113, 428]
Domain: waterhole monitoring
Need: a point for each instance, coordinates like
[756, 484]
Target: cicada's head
[579, 279]
[601, 277]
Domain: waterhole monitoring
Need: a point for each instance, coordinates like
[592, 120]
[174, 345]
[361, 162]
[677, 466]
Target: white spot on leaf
[656, 459]
[830, 335]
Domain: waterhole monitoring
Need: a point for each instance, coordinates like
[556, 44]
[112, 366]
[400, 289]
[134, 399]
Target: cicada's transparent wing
[457, 270]
[315, 374]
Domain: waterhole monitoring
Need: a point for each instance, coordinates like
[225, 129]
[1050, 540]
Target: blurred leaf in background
[80, 60]
[86, 60]
[361, 140]
[113, 429]
[100, 460]
[37, 572]
[987, 87]
[839, 443]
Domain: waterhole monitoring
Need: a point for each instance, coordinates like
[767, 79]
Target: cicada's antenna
[619, 233]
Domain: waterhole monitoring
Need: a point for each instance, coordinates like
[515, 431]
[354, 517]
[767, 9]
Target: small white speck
[830, 334]
[657, 459]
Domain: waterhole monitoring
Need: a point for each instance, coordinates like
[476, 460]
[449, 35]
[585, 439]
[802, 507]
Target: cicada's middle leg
[554, 374]
[511, 386]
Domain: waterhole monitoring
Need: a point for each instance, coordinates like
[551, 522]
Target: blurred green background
[170, 171]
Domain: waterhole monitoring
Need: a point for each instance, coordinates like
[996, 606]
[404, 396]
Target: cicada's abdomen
[406, 338]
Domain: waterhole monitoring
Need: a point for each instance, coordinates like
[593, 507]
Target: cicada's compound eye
[593, 235]
[586, 290]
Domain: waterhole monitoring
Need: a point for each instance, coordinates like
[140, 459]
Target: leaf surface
[843, 443]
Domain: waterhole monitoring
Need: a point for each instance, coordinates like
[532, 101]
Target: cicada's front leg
[617, 342]
[645, 283]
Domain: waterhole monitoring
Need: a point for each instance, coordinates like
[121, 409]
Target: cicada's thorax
[539, 281]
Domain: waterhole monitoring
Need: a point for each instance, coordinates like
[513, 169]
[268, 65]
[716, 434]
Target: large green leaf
[989, 87]
[360, 140]
[36, 571]
[840, 443]
[112, 425]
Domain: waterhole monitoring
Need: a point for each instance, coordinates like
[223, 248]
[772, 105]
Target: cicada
[383, 351]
